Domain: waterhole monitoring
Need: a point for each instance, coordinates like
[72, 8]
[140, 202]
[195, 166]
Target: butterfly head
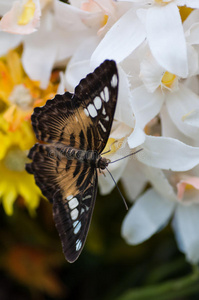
[103, 163]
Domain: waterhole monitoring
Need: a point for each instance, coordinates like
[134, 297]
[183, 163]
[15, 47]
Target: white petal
[124, 37]
[192, 83]
[149, 214]
[133, 179]
[9, 41]
[74, 18]
[137, 137]
[124, 111]
[5, 6]
[192, 35]
[190, 21]
[193, 64]
[146, 105]
[169, 129]
[40, 65]
[106, 184]
[168, 154]
[61, 87]
[179, 104]
[75, 72]
[79, 65]
[192, 118]
[167, 44]
[151, 73]
[159, 181]
[9, 22]
[186, 224]
[188, 3]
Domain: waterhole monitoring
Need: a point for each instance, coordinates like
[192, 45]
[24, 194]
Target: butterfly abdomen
[90, 157]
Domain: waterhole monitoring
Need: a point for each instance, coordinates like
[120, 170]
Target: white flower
[172, 194]
[22, 18]
[160, 24]
[164, 92]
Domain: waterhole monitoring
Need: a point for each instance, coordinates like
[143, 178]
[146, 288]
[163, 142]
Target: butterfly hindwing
[73, 216]
[72, 188]
[72, 127]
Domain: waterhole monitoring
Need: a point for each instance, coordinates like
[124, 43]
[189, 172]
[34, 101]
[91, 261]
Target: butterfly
[73, 130]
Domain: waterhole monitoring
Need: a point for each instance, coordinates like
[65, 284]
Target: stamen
[27, 13]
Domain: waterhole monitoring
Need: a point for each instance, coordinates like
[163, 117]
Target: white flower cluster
[158, 105]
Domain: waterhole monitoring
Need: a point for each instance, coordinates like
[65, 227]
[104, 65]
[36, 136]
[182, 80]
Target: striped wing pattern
[69, 125]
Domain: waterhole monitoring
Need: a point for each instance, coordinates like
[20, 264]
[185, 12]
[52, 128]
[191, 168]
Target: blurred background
[32, 265]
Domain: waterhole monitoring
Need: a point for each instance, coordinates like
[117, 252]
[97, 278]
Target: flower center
[27, 13]
[21, 97]
[187, 184]
[112, 145]
[168, 79]
[104, 20]
[15, 159]
[164, 2]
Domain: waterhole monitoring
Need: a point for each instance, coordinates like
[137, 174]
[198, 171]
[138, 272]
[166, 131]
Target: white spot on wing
[98, 102]
[77, 225]
[106, 94]
[92, 110]
[107, 118]
[86, 197]
[86, 112]
[78, 245]
[69, 197]
[114, 81]
[102, 126]
[82, 211]
[73, 203]
[104, 111]
[74, 214]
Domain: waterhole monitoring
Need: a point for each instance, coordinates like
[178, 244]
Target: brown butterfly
[74, 129]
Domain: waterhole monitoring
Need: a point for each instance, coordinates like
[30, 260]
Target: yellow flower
[18, 96]
[15, 181]
[18, 93]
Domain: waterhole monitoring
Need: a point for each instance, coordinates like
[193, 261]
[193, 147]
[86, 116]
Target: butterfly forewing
[74, 127]
[98, 94]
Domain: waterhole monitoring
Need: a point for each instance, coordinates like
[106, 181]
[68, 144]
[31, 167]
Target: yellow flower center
[184, 12]
[27, 13]
[163, 2]
[189, 187]
[21, 97]
[112, 145]
[168, 79]
[104, 20]
[15, 159]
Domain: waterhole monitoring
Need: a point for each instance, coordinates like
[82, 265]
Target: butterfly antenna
[118, 189]
[126, 156]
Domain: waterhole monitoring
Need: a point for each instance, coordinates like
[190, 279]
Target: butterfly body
[74, 129]
[92, 158]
